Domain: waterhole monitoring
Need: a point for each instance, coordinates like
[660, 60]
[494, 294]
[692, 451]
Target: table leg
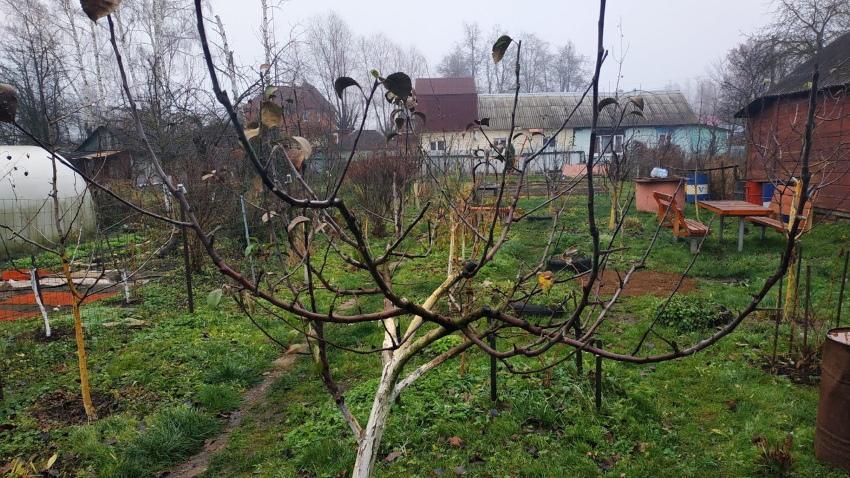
[741, 234]
[720, 230]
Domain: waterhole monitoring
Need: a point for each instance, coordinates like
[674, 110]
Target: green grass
[165, 384]
[694, 417]
[170, 384]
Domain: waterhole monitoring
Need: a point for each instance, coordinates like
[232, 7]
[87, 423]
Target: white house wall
[460, 148]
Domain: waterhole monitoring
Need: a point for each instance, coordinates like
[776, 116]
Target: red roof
[449, 104]
[445, 86]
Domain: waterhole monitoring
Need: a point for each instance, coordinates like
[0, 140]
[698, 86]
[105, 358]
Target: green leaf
[399, 84]
[8, 103]
[250, 249]
[500, 47]
[375, 73]
[214, 298]
[606, 102]
[344, 82]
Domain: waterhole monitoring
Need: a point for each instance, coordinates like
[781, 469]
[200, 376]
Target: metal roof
[834, 70]
[834, 65]
[370, 140]
[549, 110]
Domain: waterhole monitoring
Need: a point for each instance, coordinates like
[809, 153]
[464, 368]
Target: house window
[438, 145]
[607, 144]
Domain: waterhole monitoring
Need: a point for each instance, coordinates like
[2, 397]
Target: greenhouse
[26, 206]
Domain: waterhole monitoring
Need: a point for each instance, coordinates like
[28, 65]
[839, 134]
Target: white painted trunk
[124, 280]
[367, 450]
[34, 283]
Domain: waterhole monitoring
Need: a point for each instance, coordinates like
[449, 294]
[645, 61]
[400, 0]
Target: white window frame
[602, 141]
[438, 145]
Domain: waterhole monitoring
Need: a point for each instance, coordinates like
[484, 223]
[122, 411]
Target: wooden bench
[664, 201]
[682, 227]
[784, 200]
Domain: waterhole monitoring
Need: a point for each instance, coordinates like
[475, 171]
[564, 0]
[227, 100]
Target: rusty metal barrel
[832, 436]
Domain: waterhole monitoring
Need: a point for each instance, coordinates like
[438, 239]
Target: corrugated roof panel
[550, 110]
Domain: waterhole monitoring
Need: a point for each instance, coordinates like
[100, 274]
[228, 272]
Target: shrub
[371, 182]
[687, 313]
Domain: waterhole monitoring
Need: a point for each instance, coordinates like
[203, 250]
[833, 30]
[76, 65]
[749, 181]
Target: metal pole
[598, 380]
[247, 236]
[841, 290]
[796, 297]
[186, 268]
[494, 396]
[778, 318]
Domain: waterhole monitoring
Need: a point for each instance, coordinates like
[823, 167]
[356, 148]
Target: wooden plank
[734, 208]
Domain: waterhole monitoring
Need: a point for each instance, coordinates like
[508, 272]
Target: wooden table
[739, 209]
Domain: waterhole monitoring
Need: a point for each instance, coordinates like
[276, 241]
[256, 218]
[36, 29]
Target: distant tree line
[544, 67]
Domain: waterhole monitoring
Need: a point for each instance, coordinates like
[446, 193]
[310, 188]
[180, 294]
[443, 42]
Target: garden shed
[26, 207]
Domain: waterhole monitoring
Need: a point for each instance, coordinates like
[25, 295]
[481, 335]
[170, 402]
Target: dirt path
[200, 462]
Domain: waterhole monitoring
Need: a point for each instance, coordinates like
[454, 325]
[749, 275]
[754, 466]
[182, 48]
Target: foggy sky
[667, 42]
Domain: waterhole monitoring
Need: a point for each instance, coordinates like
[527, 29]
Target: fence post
[841, 290]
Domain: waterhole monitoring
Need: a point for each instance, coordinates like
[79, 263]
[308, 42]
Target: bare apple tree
[319, 227]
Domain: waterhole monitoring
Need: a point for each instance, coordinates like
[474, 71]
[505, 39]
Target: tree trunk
[370, 441]
[82, 358]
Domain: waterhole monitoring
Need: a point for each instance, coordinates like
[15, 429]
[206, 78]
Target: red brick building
[776, 122]
[449, 104]
[306, 111]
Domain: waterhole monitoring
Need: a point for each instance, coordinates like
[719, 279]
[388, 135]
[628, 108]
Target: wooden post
[841, 289]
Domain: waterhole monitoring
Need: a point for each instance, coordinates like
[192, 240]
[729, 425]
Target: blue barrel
[696, 187]
[767, 193]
